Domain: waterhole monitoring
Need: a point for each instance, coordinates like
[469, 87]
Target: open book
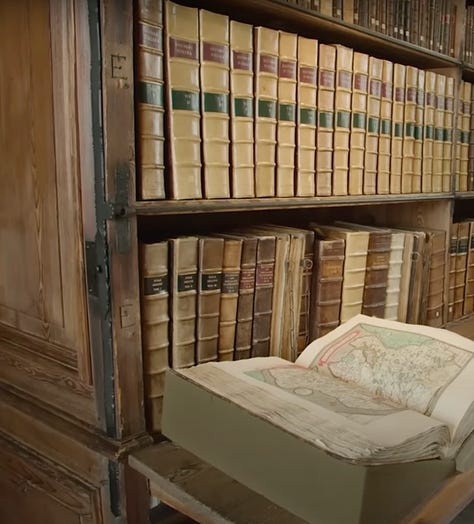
[370, 392]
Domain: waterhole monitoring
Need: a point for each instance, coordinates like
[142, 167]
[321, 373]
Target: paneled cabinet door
[46, 176]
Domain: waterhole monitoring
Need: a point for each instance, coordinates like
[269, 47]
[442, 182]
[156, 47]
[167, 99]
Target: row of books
[461, 270]
[464, 152]
[468, 54]
[270, 290]
[428, 23]
[255, 112]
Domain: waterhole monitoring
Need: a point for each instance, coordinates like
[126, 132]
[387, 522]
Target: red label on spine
[326, 78]
[399, 94]
[215, 53]
[308, 75]
[264, 274]
[241, 60]
[268, 64]
[287, 69]
[344, 79]
[247, 279]
[360, 82]
[183, 49]
[375, 87]
[387, 90]
[411, 94]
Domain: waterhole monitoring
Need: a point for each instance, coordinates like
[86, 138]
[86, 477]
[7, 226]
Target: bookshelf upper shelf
[464, 194]
[280, 15]
[174, 207]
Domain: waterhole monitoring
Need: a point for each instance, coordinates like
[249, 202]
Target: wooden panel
[42, 282]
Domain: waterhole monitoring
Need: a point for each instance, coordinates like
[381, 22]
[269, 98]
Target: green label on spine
[186, 100]
[326, 119]
[463, 245]
[465, 137]
[307, 116]
[267, 108]
[150, 93]
[243, 107]
[410, 129]
[216, 103]
[358, 120]
[385, 127]
[439, 133]
[429, 132]
[447, 135]
[398, 129]
[373, 125]
[287, 112]
[343, 119]
[418, 132]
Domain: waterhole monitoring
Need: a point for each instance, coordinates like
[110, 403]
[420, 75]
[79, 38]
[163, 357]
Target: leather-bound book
[360, 84]
[155, 322]
[183, 100]
[394, 279]
[438, 134]
[348, 11]
[373, 126]
[266, 93]
[214, 72]
[150, 107]
[461, 268]
[448, 130]
[453, 249]
[242, 110]
[342, 122]
[305, 307]
[418, 133]
[286, 124]
[470, 168]
[418, 277]
[464, 117]
[184, 288]
[468, 308]
[434, 316]
[385, 138]
[428, 137]
[229, 297]
[405, 277]
[306, 116]
[409, 129]
[208, 301]
[399, 73]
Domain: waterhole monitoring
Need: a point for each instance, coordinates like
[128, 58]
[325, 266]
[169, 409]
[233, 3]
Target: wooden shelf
[281, 15]
[468, 72]
[465, 195]
[463, 326]
[171, 207]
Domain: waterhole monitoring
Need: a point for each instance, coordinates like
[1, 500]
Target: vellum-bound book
[399, 74]
[373, 392]
[428, 136]
[417, 182]
[385, 138]
[437, 178]
[448, 133]
[408, 160]
[464, 135]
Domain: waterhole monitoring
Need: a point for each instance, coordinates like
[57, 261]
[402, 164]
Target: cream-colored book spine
[325, 129]
[242, 110]
[155, 323]
[286, 126]
[464, 136]
[392, 302]
[342, 130]
[150, 100]
[457, 140]
[214, 70]
[408, 160]
[448, 134]
[399, 74]
[373, 126]
[418, 133]
[306, 116]
[428, 132]
[266, 92]
[385, 138]
[438, 134]
[360, 84]
[183, 100]
[468, 307]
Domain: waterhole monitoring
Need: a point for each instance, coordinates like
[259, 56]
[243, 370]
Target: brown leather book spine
[209, 297]
[327, 286]
[155, 323]
[376, 276]
[435, 293]
[469, 292]
[229, 297]
[184, 267]
[262, 309]
[243, 333]
[461, 268]
[453, 249]
[417, 277]
[308, 264]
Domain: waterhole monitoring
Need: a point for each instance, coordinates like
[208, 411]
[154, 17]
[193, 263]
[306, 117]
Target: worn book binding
[434, 315]
[461, 268]
[399, 73]
[428, 132]
[373, 125]
[469, 292]
[394, 279]
[437, 179]
[409, 129]
[453, 244]
[385, 138]
[417, 181]
[448, 133]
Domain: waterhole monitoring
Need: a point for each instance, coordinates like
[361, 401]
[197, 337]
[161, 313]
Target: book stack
[469, 36]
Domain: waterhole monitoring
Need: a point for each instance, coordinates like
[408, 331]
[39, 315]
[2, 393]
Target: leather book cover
[373, 126]
[461, 268]
[155, 323]
[468, 308]
[286, 124]
[326, 289]
[453, 247]
[342, 110]
[209, 297]
[266, 92]
[242, 110]
[434, 314]
[214, 72]
[229, 297]
[360, 83]
[385, 138]
[428, 130]
[418, 133]
[184, 288]
[405, 275]
[448, 133]
[183, 100]
[150, 107]
[399, 73]
[438, 134]
[325, 128]
[394, 279]
[306, 116]
[305, 307]
[408, 160]
[243, 332]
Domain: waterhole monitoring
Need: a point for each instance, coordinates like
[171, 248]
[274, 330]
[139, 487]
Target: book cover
[399, 73]
[394, 278]
[183, 101]
[306, 116]
[325, 128]
[469, 291]
[408, 160]
[406, 271]
[183, 304]
[342, 128]
[428, 132]
[286, 125]
[448, 131]
[358, 123]
[418, 277]
[434, 314]
[453, 244]
[150, 99]
[417, 181]
[266, 93]
[373, 126]
[155, 323]
[437, 179]
[461, 268]
[385, 138]
[242, 110]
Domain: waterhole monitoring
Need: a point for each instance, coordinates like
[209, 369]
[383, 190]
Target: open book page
[425, 369]
[337, 417]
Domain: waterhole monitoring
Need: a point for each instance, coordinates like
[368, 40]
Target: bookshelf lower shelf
[463, 326]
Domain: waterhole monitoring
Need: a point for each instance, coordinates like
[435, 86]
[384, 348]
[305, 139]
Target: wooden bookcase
[71, 375]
